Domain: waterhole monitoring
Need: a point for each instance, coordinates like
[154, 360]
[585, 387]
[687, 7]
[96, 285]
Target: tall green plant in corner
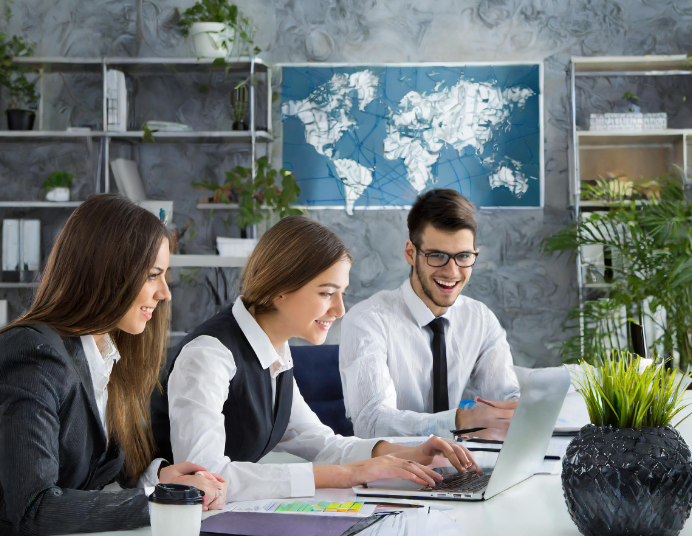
[649, 234]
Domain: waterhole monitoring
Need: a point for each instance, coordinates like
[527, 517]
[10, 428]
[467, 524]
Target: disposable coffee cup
[175, 509]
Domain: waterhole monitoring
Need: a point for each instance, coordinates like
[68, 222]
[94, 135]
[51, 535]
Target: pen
[467, 431]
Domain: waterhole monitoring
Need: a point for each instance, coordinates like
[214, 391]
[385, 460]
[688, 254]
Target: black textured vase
[628, 482]
[20, 119]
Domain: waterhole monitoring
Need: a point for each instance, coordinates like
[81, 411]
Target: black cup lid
[176, 494]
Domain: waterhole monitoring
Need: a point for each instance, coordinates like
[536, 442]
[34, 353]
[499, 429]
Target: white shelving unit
[631, 153]
[140, 67]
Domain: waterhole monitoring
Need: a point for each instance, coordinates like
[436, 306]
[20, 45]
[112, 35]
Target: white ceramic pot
[208, 39]
[58, 194]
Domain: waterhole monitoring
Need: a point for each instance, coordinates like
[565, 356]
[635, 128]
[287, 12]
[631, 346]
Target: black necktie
[439, 351]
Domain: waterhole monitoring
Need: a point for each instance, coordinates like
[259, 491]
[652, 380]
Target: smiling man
[409, 357]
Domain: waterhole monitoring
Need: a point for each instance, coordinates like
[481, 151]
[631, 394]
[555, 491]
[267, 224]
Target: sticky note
[344, 507]
[332, 507]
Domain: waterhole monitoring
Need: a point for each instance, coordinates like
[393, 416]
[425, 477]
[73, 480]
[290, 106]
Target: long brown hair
[95, 271]
[288, 256]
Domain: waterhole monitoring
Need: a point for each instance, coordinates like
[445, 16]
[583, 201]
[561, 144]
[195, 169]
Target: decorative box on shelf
[628, 121]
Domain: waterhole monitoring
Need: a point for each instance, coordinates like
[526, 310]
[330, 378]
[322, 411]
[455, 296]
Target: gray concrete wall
[529, 292]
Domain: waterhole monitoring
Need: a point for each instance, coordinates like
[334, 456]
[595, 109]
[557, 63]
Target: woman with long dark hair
[77, 371]
[231, 393]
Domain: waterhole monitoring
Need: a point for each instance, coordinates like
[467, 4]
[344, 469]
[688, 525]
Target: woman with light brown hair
[231, 393]
[76, 374]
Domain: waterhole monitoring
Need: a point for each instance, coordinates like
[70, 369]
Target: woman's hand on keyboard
[457, 454]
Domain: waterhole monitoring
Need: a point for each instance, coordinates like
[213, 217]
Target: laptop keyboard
[465, 482]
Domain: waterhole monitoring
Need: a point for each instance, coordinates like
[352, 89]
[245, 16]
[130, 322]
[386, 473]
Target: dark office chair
[316, 370]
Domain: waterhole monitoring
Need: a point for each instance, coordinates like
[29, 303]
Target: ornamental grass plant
[623, 392]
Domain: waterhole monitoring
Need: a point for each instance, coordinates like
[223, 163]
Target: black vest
[252, 428]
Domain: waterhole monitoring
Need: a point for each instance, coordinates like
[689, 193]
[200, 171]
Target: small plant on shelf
[23, 98]
[217, 28]
[57, 186]
[629, 456]
[633, 101]
[255, 196]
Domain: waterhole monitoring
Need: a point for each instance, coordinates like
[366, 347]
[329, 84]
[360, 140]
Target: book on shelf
[10, 250]
[21, 250]
[116, 96]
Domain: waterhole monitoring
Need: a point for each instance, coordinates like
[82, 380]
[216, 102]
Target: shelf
[18, 285]
[39, 204]
[51, 64]
[144, 66]
[206, 261]
[217, 206]
[159, 66]
[630, 154]
[231, 136]
[631, 65]
[19, 136]
[594, 138]
[211, 136]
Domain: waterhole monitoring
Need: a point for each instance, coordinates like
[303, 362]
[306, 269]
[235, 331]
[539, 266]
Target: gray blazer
[54, 457]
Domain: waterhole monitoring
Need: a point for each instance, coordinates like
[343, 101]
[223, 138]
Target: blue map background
[320, 184]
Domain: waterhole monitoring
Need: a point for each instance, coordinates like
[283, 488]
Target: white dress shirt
[100, 367]
[385, 360]
[197, 391]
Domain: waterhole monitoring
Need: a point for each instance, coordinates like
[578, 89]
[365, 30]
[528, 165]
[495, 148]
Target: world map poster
[377, 136]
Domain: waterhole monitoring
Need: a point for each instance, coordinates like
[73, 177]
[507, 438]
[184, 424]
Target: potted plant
[215, 25]
[22, 93]
[57, 186]
[644, 236]
[258, 198]
[629, 472]
[239, 102]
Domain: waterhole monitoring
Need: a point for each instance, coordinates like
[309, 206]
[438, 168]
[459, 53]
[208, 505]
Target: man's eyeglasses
[438, 259]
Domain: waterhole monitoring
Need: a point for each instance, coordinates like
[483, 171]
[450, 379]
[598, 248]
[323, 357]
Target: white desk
[533, 507]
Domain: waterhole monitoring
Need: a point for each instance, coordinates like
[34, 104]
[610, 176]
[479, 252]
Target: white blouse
[101, 363]
[197, 391]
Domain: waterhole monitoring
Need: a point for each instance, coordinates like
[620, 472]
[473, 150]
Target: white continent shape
[326, 111]
[355, 177]
[463, 115]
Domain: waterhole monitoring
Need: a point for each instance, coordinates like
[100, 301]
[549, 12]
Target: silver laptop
[521, 455]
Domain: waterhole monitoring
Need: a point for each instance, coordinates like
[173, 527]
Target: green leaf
[148, 135]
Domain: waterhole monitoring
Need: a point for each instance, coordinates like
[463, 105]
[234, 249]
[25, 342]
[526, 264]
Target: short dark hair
[444, 209]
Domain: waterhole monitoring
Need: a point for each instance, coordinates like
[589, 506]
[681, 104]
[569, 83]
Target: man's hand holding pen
[485, 418]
